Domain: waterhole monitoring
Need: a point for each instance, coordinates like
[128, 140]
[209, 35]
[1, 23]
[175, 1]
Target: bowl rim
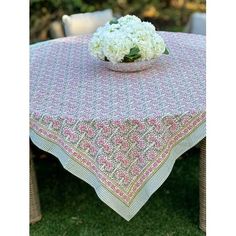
[127, 63]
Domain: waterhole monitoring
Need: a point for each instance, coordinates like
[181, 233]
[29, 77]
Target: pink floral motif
[84, 128]
[106, 130]
[109, 166]
[154, 123]
[87, 145]
[105, 163]
[73, 137]
[154, 139]
[136, 138]
[125, 145]
[101, 160]
[121, 158]
[66, 131]
[151, 155]
[56, 124]
[122, 126]
[102, 142]
[47, 119]
[120, 140]
[90, 132]
[107, 148]
[151, 121]
[134, 154]
[141, 144]
[171, 123]
[135, 170]
[121, 175]
[141, 160]
[70, 135]
[141, 125]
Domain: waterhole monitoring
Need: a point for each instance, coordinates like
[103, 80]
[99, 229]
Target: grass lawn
[71, 207]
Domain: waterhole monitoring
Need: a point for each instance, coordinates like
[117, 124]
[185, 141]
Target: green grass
[71, 207]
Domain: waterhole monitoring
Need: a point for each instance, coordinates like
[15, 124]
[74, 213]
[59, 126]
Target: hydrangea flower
[127, 39]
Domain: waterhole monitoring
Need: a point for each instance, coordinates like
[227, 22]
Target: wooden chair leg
[202, 186]
[35, 212]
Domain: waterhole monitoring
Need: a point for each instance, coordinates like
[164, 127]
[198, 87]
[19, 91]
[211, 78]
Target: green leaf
[131, 59]
[133, 51]
[126, 59]
[113, 21]
[133, 55]
[166, 52]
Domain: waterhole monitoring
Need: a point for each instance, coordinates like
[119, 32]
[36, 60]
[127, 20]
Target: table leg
[35, 212]
[202, 186]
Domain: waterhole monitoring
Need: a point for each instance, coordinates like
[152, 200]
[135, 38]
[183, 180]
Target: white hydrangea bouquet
[127, 39]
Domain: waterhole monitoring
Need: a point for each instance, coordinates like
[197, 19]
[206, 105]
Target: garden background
[169, 15]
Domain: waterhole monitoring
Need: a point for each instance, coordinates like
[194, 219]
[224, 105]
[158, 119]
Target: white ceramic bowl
[129, 66]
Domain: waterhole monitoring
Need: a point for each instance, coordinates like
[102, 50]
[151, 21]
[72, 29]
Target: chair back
[196, 24]
[84, 23]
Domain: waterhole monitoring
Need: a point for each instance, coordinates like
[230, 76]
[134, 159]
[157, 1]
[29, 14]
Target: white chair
[84, 23]
[56, 30]
[196, 24]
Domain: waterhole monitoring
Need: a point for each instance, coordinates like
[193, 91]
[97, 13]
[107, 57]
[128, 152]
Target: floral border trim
[82, 159]
[127, 212]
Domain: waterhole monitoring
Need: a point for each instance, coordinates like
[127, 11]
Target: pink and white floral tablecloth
[119, 132]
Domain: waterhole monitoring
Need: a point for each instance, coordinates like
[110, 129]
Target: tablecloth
[119, 132]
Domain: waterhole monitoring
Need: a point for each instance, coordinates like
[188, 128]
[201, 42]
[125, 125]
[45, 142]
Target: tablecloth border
[41, 132]
[105, 195]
